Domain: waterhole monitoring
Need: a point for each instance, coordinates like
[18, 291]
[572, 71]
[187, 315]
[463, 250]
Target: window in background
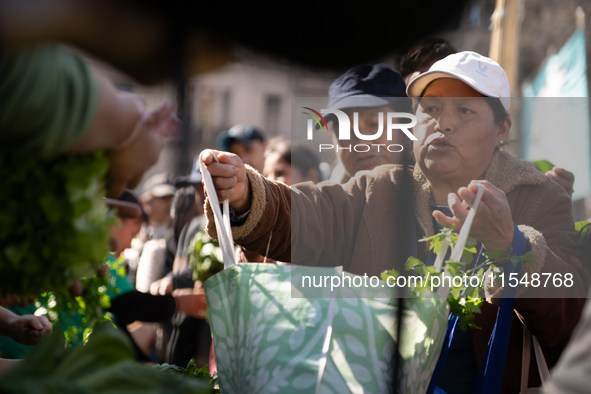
[226, 109]
[205, 104]
[474, 16]
[272, 114]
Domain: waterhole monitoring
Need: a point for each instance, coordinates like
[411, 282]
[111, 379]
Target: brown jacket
[355, 225]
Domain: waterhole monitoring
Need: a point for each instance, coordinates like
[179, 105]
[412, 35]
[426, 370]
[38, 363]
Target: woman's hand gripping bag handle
[222, 221]
[456, 255]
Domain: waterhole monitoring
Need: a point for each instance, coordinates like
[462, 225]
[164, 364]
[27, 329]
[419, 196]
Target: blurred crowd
[157, 246]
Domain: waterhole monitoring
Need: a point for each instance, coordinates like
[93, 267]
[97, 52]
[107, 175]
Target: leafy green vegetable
[206, 257]
[58, 227]
[103, 365]
[465, 299]
[543, 165]
[78, 315]
[583, 226]
[192, 371]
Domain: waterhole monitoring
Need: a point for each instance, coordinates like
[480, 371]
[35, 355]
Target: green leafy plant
[543, 165]
[583, 227]
[58, 227]
[465, 299]
[103, 365]
[191, 371]
[206, 257]
[77, 315]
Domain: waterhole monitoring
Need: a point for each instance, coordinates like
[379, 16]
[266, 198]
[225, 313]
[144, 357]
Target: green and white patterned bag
[265, 341]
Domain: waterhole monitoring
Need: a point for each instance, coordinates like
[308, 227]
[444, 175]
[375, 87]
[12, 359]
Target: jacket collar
[504, 171]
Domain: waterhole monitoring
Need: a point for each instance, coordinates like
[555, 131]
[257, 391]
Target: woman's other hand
[229, 178]
[493, 224]
[563, 177]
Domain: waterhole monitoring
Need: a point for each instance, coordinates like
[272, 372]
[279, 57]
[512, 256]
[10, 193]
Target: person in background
[156, 200]
[181, 275]
[193, 179]
[129, 305]
[149, 247]
[190, 336]
[369, 90]
[55, 104]
[184, 208]
[290, 163]
[421, 57]
[246, 141]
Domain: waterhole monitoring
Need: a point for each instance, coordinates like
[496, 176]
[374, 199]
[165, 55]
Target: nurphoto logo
[393, 124]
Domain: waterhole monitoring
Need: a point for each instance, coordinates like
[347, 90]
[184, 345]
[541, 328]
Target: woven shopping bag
[267, 341]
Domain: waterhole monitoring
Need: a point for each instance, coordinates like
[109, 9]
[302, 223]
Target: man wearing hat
[370, 90]
[149, 247]
[156, 200]
[246, 141]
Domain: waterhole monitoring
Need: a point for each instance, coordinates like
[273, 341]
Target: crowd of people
[462, 125]
[156, 245]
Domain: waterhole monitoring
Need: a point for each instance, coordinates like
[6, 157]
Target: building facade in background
[519, 34]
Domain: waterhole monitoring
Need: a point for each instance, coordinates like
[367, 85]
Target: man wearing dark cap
[246, 141]
[371, 91]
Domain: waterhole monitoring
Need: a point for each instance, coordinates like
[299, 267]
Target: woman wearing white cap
[462, 123]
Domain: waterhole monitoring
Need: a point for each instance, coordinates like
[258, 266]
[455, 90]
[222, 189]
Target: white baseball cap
[479, 72]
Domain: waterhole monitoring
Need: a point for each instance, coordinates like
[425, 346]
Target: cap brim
[360, 101]
[418, 85]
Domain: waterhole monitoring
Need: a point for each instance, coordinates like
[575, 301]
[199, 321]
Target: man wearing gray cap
[156, 199]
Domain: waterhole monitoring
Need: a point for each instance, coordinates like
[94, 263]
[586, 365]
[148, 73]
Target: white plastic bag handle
[456, 255]
[222, 221]
[463, 237]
